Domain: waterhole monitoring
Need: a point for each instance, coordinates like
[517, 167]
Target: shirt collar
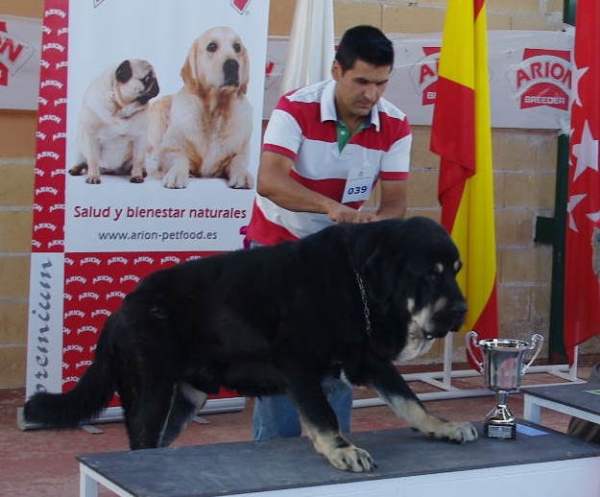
[328, 112]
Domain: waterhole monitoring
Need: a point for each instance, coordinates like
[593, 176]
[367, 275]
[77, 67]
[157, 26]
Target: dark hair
[366, 43]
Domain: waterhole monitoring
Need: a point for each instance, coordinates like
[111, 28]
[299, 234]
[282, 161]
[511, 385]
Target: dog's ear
[124, 72]
[382, 275]
[244, 72]
[378, 274]
[374, 255]
[189, 74]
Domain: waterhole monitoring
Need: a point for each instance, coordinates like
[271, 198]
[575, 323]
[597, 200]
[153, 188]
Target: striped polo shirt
[303, 127]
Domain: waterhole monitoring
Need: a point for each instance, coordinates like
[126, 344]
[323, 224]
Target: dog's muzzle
[458, 312]
[151, 89]
[231, 73]
[449, 319]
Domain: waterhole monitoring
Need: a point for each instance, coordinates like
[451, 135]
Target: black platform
[246, 467]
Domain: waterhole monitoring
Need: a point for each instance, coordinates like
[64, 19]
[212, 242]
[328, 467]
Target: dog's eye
[146, 80]
[212, 47]
[237, 47]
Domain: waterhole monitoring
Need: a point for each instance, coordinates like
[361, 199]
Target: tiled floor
[42, 463]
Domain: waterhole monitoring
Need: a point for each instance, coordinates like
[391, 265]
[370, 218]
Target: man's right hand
[341, 213]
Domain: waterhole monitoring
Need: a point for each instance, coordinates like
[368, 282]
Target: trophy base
[500, 423]
[501, 431]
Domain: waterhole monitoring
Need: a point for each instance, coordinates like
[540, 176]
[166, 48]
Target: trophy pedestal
[500, 423]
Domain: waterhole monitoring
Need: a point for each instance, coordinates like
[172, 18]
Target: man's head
[366, 43]
[362, 68]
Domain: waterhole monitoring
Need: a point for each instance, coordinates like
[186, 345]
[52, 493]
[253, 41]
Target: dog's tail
[86, 400]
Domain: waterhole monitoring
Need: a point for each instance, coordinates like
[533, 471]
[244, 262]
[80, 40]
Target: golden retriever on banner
[204, 130]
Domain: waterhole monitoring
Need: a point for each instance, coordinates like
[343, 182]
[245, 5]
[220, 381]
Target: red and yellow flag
[461, 135]
[582, 259]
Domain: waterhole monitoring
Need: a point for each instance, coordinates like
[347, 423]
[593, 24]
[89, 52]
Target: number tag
[359, 183]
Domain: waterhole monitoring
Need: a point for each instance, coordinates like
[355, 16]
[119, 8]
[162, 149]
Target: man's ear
[336, 70]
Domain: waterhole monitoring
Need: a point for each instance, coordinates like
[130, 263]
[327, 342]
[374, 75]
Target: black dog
[350, 299]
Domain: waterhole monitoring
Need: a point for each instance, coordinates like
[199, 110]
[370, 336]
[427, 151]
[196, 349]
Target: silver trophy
[502, 369]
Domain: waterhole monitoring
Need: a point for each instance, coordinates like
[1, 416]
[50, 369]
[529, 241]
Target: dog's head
[412, 275]
[219, 60]
[134, 81]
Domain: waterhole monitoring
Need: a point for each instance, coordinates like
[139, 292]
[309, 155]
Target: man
[324, 148]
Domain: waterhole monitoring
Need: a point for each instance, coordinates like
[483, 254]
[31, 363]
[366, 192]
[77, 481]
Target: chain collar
[363, 296]
[363, 293]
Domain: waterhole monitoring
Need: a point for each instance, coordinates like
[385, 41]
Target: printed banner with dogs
[147, 153]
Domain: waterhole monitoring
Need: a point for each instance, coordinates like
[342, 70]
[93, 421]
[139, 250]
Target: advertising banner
[20, 40]
[530, 73]
[147, 153]
[530, 77]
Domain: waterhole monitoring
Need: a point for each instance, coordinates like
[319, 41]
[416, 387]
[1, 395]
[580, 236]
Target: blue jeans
[276, 417]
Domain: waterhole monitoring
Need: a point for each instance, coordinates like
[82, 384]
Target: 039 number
[357, 190]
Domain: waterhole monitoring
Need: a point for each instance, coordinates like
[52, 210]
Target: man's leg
[276, 417]
[339, 395]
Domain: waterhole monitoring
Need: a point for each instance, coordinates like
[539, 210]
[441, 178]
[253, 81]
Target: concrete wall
[524, 165]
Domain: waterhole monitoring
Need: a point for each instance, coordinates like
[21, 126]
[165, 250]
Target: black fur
[263, 321]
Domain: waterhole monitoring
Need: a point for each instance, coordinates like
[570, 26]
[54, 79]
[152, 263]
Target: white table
[581, 400]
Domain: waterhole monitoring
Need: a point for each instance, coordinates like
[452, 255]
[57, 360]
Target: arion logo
[543, 78]
[14, 53]
[240, 5]
[424, 75]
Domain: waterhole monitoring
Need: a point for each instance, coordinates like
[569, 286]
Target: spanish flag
[461, 135]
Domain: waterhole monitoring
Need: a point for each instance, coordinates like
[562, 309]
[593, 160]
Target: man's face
[359, 88]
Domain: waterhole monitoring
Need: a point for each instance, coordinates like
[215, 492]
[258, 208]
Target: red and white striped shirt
[303, 127]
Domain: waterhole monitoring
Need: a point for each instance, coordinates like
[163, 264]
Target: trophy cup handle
[537, 341]
[470, 340]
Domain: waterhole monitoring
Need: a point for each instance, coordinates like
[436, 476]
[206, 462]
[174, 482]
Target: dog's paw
[78, 169]
[138, 173]
[93, 180]
[176, 178]
[351, 458]
[457, 432]
[240, 179]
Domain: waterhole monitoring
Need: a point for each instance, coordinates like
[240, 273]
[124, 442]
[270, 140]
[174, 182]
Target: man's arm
[393, 199]
[275, 183]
